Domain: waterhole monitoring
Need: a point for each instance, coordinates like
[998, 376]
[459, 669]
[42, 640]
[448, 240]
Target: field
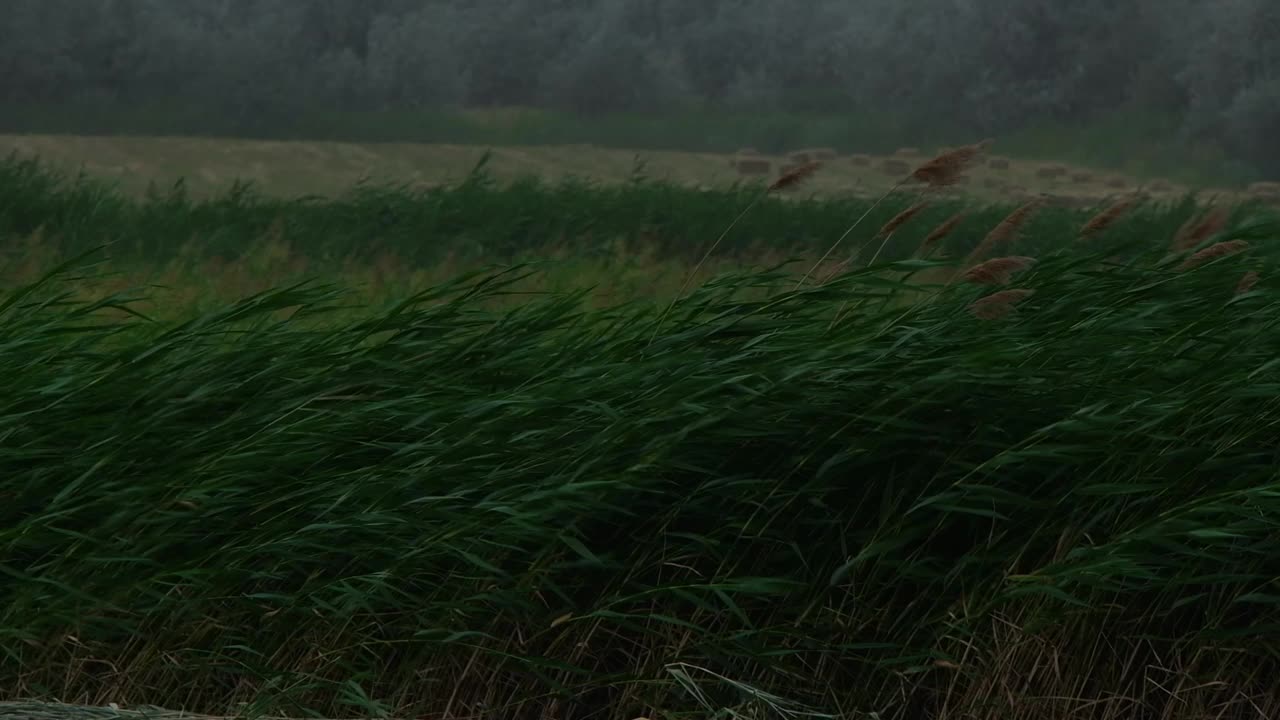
[477, 450]
[209, 167]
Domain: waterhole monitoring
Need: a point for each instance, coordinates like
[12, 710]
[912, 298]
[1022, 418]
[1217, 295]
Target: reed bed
[885, 496]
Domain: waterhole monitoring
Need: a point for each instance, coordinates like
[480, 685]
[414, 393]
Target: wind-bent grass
[443, 510]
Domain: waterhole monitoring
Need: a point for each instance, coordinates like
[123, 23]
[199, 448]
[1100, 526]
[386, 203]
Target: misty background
[1203, 73]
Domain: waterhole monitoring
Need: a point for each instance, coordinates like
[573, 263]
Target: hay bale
[998, 163]
[897, 168]
[805, 155]
[753, 166]
[1050, 172]
[860, 160]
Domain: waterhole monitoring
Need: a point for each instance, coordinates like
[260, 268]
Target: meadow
[637, 450]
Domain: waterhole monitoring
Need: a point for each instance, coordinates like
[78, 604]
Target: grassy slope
[860, 499]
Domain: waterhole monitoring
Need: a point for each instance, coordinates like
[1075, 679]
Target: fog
[1210, 71]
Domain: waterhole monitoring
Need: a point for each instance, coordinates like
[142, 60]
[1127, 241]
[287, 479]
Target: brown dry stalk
[795, 176]
[998, 271]
[1247, 282]
[940, 232]
[1213, 252]
[1005, 232]
[1107, 217]
[1201, 227]
[946, 169]
[901, 218]
[999, 304]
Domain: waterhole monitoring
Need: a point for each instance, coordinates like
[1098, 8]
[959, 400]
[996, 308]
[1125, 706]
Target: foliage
[856, 495]
[259, 66]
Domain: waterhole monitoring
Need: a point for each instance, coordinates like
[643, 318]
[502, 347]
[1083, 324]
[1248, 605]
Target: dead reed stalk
[998, 304]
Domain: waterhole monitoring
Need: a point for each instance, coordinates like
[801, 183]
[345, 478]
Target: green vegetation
[855, 496]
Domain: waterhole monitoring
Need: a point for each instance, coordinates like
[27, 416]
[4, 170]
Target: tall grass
[860, 496]
[480, 220]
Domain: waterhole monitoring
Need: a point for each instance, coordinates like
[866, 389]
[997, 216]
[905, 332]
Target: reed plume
[902, 218]
[1005, 232]
[999, 304]
[998, 271]
[1107, 217]
[1213, 252]
[1247, 282]
[946, 168]
[937, 234]
[1200, 228]
[794, 176]
[942, 170]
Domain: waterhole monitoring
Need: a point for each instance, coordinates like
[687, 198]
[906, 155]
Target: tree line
[988, 66]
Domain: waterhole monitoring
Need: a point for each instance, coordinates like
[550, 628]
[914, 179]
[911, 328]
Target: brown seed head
[1213, 252]
[998, 304]
[940, 232]
[997, 271]
[1200, 228]
[901, 218]
[1107, 217]
[1247, 282]
[1006, 231]
[947, 167]
[832, 270]
[795, 176]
